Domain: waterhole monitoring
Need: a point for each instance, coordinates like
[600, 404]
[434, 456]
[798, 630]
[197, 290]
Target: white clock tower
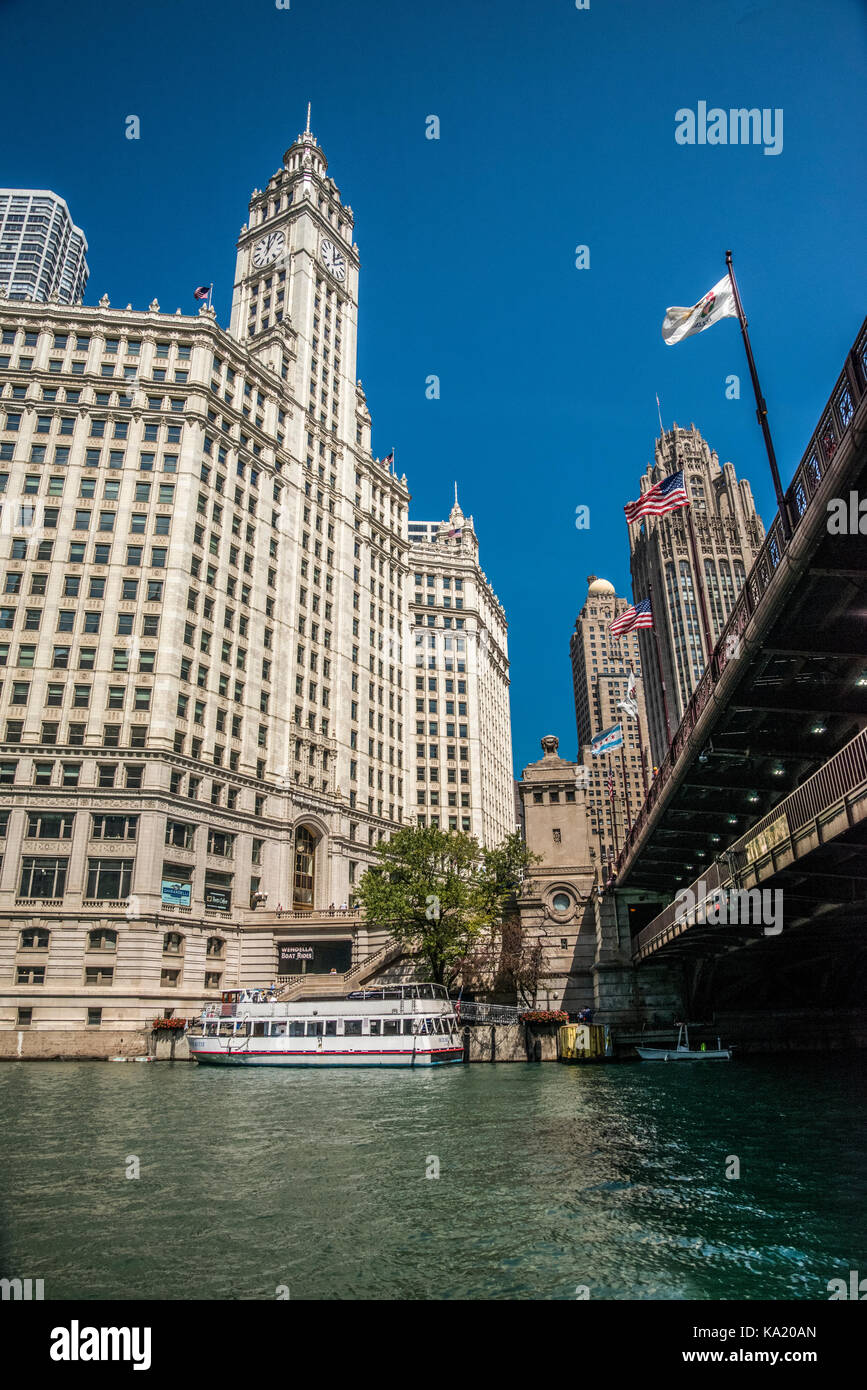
[297, 274]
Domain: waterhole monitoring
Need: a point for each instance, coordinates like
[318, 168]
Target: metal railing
[844, 775]
[835, 424]
[486, 1013]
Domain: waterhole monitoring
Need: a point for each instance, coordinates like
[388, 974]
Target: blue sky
[557, 130]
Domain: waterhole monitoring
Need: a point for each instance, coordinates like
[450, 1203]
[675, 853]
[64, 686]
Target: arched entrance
[304, 870]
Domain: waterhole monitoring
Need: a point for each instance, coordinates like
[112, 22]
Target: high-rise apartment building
[206, 634]
[692, 593]
[601, 670]
[462, 761]
[42, 252]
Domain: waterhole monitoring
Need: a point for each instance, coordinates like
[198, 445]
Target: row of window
[80, 342]
[331, 1027]
[124, 627]
[103, 975]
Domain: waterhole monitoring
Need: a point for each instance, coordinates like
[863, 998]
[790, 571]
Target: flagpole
[641, 745]
[659, 665]
[699, 584]
[625, 793]
[761, 405]
[210, 292]
[613, 809]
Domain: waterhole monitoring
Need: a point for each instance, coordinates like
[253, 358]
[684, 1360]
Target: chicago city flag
[718, 303]
[611, 738]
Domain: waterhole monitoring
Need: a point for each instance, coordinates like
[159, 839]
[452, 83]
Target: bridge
[764, 783]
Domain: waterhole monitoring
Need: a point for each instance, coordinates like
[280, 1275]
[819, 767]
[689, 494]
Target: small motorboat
[682, 1052]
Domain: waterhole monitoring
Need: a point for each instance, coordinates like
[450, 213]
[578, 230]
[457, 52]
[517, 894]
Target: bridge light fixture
[732, 820]
[862, 679]
[714, 839]
[819, 728]
[778, 770]
[753, 797]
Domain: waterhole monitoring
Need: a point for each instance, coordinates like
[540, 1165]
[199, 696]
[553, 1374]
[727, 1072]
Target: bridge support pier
[622, 994]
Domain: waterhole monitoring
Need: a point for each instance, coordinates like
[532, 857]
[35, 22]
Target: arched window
[302, 887]
[173, 943]
[102, 939]
[216, 947]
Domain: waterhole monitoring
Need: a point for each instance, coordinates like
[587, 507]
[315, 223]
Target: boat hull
[661, 1054]
[272, 1058]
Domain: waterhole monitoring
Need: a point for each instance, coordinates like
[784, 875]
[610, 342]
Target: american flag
[664, 496]
[201, 292]
[636, 615]
[389, 459]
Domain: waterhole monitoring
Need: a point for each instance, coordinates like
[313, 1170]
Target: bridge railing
[840, 776]
[835, 423]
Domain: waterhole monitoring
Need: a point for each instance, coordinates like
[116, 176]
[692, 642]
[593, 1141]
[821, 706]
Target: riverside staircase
[337, 986]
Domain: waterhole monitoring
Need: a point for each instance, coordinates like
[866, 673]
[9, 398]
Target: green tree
[438, 892]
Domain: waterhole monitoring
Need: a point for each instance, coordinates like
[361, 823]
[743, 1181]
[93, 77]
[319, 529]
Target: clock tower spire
[296, 277]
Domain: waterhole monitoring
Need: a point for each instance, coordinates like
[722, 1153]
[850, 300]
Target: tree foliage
[439, 892]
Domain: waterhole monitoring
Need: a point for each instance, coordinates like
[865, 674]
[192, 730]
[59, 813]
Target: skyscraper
[601, 670]
[463, 747]
[207, 635]
[690, 605]
[41, 250]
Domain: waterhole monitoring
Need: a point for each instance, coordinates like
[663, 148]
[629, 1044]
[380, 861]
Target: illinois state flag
[718, 303]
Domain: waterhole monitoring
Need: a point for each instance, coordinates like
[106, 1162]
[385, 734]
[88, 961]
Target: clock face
[332, 260]
[268, 249]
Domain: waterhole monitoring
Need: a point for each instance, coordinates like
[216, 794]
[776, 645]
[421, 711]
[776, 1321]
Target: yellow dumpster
[582, 1042]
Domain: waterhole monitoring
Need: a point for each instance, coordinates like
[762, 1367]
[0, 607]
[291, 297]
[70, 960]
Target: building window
[42, 877]
[30, 975]
[108, 878]
[173, 943]
[303, 881]
[99, 975]
[34, 939]
[102, 939]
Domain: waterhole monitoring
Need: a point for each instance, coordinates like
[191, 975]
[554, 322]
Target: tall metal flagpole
[761, 405]
[699, 584]
[625, 793]
[659, 664]
[613, 807]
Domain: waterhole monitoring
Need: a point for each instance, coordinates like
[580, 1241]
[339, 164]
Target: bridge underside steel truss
[786, 689]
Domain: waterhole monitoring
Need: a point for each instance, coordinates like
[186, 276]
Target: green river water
[550, 1178]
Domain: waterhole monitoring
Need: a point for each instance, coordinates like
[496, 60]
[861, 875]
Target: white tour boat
[682, 1052]
[412, 1025]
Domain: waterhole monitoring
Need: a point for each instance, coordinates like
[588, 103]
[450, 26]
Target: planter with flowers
[169, 1025]
[557, 1016]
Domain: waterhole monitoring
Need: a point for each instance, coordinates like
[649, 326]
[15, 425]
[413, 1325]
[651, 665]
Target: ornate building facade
[601, 668]
[205, 727]
[692, 593]
[557, 904]
[463, 753]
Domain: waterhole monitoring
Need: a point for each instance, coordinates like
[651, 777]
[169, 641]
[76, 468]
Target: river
[552, 1180]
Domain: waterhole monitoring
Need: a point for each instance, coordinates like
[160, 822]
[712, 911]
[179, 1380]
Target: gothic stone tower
[728, 535]
[556, 904]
